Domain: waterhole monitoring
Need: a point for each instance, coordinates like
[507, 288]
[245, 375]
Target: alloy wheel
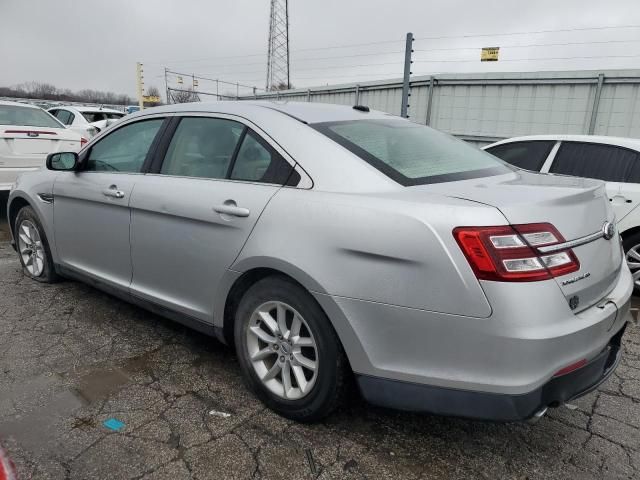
[31, 248]
[282, 350]
[633, 260]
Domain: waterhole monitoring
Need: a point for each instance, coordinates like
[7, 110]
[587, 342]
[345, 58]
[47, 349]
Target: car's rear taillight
[83, 142]
[509, 253]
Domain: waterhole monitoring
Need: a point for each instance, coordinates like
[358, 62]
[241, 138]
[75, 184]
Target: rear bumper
[493, 406]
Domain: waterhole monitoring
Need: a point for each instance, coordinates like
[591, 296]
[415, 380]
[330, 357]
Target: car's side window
[202, 147]
[529, 155]
[70, 119]
[125, 149]
[592, 160]
[256, 161]
[63, 116]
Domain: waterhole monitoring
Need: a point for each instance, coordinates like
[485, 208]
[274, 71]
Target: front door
[91, 206]
[192, 217]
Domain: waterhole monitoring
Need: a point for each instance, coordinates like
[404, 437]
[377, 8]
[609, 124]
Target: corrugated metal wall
[485, 107]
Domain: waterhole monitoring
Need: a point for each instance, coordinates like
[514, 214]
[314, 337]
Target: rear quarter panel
[379, 248]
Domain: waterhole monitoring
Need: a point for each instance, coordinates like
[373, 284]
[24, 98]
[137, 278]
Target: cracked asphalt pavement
[72, 357]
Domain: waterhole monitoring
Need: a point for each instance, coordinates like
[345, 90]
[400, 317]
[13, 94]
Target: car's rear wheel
[631, 246]
[33, 247]
[290, 354]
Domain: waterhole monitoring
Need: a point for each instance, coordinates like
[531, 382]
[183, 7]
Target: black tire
[48, 274]
[628, 242]
[333, 372]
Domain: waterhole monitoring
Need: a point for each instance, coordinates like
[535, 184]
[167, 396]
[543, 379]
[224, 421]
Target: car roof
[18, 104]
[79, 108]
[302, 111]
[633, 143]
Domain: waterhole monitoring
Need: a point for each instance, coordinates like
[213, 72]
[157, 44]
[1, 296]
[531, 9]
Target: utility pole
[278, 48]
[408, 50]
[140, 85]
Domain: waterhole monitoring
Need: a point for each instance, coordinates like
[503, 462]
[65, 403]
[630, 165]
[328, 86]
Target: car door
[610, 163]
[91, 206]
[191, 218]
[529, 154]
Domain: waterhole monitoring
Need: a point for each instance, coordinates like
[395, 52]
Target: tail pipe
[537, 416]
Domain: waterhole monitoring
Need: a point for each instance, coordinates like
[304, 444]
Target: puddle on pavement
[38, 429]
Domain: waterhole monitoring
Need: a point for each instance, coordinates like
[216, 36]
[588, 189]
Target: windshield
[27, 116]
[412, 154]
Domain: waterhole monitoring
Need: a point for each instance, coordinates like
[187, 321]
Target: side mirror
[64, 161]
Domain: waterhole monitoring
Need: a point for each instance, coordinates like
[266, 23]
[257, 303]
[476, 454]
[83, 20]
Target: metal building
[486, 107]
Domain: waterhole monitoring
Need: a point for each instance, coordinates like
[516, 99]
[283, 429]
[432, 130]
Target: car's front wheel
[33, 247]
[290, 354]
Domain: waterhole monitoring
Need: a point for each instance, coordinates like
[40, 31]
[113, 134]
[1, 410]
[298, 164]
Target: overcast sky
[96, 44]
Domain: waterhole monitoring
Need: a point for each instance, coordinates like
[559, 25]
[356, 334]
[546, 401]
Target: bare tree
[46, 91]
[184, 96]
[281, 86]
[153, 91]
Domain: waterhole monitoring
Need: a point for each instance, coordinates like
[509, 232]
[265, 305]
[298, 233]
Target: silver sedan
[333, 245]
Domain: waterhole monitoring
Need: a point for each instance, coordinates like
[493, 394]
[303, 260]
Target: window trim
[86, 152]
[562, 142]
[305, 182]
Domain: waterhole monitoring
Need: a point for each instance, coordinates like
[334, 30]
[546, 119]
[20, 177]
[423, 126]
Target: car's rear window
[412, 154]
[93, 116]
[27, 116]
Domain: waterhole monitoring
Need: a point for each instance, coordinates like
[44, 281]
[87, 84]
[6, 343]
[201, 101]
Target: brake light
[509, 253]
[83, 142]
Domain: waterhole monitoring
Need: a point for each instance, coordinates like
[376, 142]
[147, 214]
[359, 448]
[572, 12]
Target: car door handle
[230, 208]
[113, 192]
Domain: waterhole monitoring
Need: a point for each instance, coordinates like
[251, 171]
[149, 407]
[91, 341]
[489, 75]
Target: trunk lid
[27, 146]
[577, 207]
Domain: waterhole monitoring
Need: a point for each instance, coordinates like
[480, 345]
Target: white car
[87, 121]
[27, 135]
[611, 159]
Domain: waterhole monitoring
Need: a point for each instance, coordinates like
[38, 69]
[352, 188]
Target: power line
[532, 45]
[307, 59]
[531, 59]
[534, 32]
[221, 66]
[353, 45]
[329, 67]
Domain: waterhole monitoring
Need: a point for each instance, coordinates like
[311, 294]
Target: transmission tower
[278, 56]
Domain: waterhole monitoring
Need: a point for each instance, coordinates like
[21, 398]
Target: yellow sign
[195, 82]
[489, 54]
[151, 98]
[179, 80]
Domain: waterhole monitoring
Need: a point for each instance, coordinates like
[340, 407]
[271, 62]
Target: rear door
[191, 218]
[91, 207]
[528, 155]
[609, 163]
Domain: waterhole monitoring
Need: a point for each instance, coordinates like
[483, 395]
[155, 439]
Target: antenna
[278, 54]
